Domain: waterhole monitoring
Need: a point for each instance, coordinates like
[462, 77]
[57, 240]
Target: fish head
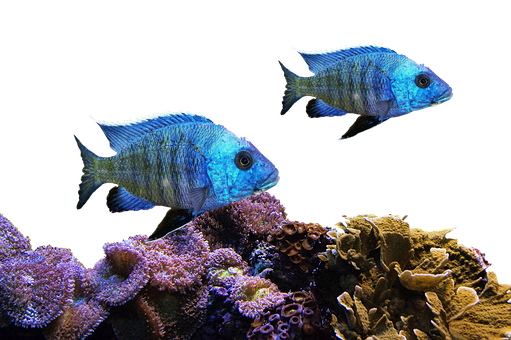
[239, 170]
[417, 87]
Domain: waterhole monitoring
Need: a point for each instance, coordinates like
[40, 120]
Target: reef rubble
[245, 271]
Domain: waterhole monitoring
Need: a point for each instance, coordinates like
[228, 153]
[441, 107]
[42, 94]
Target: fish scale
[351, 86]
[374, 82]
[172, 159]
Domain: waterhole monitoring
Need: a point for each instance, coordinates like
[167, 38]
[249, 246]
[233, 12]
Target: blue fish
[374, 82]
[181, 161]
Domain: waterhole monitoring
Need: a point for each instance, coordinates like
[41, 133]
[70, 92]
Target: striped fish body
[164, 166]
[374, 82]
[181, 161]
[355, 85]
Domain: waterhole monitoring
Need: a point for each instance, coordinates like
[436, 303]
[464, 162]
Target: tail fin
[290, 96]
[89, 182]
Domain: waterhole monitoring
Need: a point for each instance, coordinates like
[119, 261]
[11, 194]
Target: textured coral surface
[246, 272]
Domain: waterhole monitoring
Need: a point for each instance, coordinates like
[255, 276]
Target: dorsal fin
[319, 61]
[122, 134]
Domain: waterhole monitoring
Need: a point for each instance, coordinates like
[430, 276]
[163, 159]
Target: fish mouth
[443, 97]
[269, 182]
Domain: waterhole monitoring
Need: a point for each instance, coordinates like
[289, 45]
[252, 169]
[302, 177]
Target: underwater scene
[270, 170]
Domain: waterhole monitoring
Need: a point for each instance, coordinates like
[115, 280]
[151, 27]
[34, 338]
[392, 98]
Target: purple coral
[120, 275]
[240, 223]
[225, 257]
[178, 261]
[261, 213]
[225, 265]
[175, 263]
[38, 286]
[12, 242]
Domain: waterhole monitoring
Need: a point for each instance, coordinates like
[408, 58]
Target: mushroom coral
[37, 286]
[12, 242]
[252, 295]
[239, 224]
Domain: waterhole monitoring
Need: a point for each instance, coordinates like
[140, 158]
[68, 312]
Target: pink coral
[12, 242]
[253, 295]
[38, 286]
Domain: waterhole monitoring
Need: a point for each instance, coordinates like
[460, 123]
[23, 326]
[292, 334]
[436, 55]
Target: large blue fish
[181, 161]
[374, 82]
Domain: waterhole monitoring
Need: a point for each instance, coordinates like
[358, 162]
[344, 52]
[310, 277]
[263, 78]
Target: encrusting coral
[245, 272]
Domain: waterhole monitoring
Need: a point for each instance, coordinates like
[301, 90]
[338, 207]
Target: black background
[435, 165]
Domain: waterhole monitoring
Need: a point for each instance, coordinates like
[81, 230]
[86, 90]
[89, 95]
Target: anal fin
[173, 220]
[361, 124]
[119, 199]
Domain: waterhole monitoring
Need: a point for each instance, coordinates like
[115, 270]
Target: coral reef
[225, 276]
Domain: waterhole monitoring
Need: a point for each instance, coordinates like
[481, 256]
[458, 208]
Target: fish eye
[243, 160]
[422, 81]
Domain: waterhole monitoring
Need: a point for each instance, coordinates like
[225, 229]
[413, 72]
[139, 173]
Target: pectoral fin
[175, 219]
[198, 197]
[364, 124]
[361, 124]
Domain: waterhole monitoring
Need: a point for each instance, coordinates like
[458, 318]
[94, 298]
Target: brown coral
[426, 286]
[298, 243]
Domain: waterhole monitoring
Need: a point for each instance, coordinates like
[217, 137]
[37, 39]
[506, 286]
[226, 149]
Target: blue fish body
[374, 82]
[181, 161]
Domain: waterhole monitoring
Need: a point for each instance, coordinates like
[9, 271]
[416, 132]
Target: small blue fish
[181, 161]
[374, 82]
